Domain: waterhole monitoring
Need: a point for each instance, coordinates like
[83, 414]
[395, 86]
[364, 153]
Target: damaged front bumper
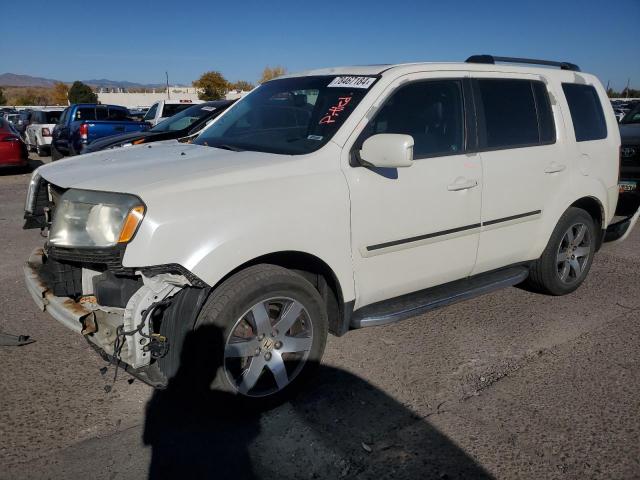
[122, 334]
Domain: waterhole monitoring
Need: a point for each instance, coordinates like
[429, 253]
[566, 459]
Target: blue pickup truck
[82, 123]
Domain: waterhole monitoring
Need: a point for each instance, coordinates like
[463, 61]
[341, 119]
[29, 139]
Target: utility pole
[627, 89]
[168, 94]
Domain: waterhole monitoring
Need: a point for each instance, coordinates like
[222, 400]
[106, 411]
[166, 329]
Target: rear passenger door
[523, 165]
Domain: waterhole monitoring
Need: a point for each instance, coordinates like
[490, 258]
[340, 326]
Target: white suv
[325, 201]
[37, 135]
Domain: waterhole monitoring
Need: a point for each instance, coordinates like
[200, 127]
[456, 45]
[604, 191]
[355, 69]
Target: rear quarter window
[586, 112]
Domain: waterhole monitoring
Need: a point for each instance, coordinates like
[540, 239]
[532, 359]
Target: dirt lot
[509, 385]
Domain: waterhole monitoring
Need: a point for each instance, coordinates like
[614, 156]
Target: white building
[131, 100]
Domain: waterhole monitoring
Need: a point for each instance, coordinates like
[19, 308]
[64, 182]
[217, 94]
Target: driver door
[417, 227]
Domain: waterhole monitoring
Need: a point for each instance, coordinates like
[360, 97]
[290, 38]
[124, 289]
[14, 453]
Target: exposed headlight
[30, 201]
[86, 218]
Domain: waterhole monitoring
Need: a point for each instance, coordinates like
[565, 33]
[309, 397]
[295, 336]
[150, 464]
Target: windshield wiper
[225, 146]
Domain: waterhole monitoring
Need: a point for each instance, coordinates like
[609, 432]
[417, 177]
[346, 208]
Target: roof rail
[490, 59]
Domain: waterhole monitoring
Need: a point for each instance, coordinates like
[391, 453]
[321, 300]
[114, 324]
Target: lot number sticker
[353, 82]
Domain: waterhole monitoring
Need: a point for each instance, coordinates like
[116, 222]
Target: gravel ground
[509, 385]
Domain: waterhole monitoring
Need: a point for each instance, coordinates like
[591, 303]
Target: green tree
[212, 85]
[269, 73]
[3, 99]
[81, 93]
[59, 94]
[241, 85]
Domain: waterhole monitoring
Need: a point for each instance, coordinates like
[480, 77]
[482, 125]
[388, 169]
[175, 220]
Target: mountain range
[15, 80]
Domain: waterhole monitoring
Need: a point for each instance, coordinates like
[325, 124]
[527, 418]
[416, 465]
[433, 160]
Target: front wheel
[566, 260]
[273, 327]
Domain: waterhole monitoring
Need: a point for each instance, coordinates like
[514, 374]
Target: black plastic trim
[422, 237]
[416, 303]
[417, 238]
[491, 60]
[512, 217]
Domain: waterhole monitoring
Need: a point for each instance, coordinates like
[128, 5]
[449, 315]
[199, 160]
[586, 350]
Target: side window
[546, 124]
[586, 112]
[118, 114]
[85, 113]
[101, 113]
[430, 111]
[151, 114]
[509, 112]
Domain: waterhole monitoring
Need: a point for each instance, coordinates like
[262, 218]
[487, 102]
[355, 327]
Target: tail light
[84, 131]
[46, 132]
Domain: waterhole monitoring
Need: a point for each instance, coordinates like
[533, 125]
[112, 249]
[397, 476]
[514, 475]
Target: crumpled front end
[119, 314]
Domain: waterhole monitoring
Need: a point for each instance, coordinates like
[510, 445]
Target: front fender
[213, 226]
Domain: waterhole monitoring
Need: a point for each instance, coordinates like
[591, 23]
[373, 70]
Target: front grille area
[109, 258]
[630, 156]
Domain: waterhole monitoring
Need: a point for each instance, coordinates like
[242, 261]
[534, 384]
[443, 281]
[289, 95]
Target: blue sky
[139, 40]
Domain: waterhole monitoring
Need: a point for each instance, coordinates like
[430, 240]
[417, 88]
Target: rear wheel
[274, 328]
[40, 151]
[567, 258]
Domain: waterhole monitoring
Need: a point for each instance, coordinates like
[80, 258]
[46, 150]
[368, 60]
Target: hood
[115, 139]
[630, 133]
[141, 168]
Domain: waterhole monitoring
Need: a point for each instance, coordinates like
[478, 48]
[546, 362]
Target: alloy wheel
[268, 347]
[573, 253]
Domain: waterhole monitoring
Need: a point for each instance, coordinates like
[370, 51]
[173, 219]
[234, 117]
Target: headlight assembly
[30, 201]
[86, 218]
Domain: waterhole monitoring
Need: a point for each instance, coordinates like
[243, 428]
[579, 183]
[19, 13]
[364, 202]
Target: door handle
[462, 184]
[554, 168]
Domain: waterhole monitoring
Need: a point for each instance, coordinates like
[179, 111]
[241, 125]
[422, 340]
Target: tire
[240, 349]
[55, 154]
[41, 152]
[567, 259]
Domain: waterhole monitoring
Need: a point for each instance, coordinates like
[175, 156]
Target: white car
[37, 135]
[167, 108]
[326, 201]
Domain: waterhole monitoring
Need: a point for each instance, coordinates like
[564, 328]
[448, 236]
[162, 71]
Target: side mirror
[387, 150]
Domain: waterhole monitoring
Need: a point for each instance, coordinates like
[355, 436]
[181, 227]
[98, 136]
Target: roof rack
[490, 59]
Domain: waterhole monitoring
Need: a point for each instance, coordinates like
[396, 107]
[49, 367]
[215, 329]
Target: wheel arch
[595, 209]
[318, 273]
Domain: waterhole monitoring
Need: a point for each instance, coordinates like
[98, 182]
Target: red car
[13, 151]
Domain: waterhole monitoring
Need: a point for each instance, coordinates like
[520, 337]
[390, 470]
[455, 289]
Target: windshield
[633, 116]
[291, 116]
[184, 119]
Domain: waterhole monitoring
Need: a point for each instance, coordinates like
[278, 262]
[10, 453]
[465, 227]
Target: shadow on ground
[32, 165]
[340, 426]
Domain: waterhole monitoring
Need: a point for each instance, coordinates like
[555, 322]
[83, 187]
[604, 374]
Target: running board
[417, 303]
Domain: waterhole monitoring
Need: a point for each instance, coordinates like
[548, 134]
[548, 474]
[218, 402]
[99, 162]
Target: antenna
[168, 93]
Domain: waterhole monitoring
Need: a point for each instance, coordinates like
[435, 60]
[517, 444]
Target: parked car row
[187, 123]
[80, 124]
[622, 107]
